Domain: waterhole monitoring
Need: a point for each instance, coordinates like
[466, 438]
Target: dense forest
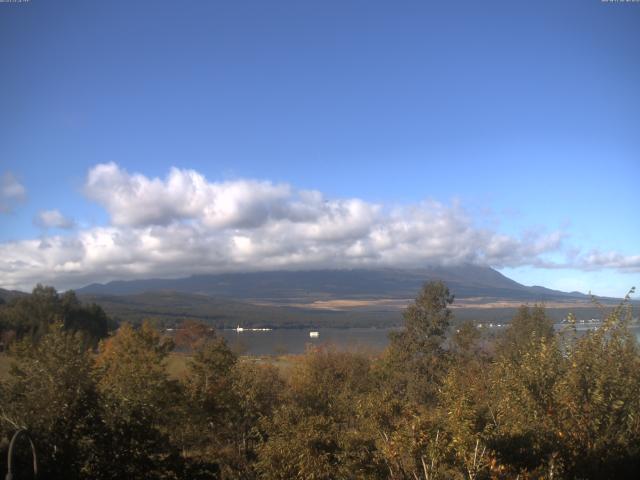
[440, 402]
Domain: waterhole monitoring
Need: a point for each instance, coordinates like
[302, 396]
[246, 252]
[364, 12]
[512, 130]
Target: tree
[465, 410]
[466, 342]
[567, 405]
[31, 315]
[51, 393]
[528, 325]
[599, 415]
[317, 432]
[191, 335]
[416, 359]
[90, 319]
[259, 390]
[525, 406]
[211, 407]
[139, 403]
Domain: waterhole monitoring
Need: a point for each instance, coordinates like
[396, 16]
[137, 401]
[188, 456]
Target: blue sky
[509, 123]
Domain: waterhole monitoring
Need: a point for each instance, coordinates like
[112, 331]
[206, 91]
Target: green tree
[31, 315]
[51, 392]
[416, 358]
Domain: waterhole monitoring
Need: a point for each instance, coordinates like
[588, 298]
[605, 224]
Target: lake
[294, 341]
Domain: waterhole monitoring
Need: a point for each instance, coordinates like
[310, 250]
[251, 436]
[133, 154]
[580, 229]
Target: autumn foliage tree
[210, 406]
[317, 431]
[138, 401]
[51, 393]
[439, 403]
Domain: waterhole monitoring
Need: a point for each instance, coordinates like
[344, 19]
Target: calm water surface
[281, 341]
[294, 341]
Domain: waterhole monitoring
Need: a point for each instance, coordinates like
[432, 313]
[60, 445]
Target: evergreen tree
[416, 359]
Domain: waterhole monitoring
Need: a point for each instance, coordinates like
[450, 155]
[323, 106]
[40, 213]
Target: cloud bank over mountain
[185, 224]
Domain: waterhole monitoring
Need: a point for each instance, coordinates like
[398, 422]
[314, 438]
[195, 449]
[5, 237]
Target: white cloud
[53, 219]
[185, 224]
[136, 200]
[596, 260]
[11, 192]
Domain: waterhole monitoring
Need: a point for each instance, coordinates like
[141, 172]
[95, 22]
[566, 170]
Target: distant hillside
[7, 295]
[171, 308]
[338, 298]
[467, 281]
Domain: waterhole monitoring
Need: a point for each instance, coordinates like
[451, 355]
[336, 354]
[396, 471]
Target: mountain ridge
[339, 298]
[466, 281]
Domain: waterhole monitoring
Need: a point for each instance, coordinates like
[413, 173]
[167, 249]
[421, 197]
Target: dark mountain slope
[7, 295]
[171, 308]
[282, 286]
